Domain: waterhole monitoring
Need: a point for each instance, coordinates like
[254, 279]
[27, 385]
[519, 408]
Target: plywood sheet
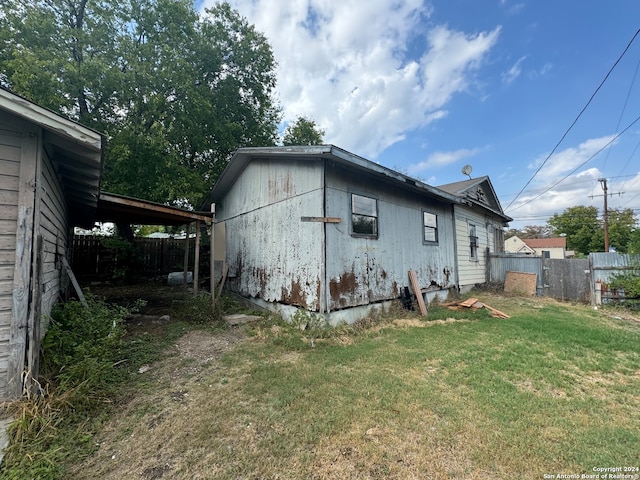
[520, 282]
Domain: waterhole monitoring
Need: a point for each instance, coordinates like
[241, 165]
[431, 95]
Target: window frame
[375, 216]
[473, 242]
[425, 241]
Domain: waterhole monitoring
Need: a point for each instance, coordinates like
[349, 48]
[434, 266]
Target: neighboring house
[49, 181]
[479, 221]
[555, 247]
[320, 228]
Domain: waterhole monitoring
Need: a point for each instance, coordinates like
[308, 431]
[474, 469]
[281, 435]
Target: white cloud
[514, 72]
[564, 181]
[367, 72]
[565, 161]
[441, 159]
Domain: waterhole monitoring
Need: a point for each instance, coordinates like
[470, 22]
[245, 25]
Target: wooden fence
[110, 258]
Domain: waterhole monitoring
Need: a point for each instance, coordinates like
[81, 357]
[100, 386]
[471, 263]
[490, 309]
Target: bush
[79, 353]
[80, 349]
[628, 285]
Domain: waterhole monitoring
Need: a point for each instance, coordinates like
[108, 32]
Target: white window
[429, 227]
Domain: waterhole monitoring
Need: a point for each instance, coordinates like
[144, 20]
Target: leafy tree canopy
[303, 132]
[175, 92]
[585, 232]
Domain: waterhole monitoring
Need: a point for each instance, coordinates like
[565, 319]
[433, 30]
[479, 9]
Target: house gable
[477, 192]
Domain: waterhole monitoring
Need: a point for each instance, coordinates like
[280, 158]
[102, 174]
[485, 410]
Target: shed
[319, 228]
[50, 171]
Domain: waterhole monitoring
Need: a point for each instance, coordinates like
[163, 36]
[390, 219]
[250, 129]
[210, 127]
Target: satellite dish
[466, 170]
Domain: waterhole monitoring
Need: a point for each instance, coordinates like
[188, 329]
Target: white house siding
[472, 271]
[10, 152]
[283, 261]
[366, 270]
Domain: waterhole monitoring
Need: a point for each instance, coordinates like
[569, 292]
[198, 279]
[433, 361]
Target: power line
[575, 169]
[577, 118]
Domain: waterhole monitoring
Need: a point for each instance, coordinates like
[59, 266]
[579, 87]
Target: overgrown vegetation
[88, 357]
[629, 285]
[460, 394]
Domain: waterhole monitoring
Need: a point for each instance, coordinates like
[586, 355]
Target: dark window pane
[364, 225]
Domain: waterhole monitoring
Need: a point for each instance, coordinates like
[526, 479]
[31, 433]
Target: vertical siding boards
[281, 259]
[567, 279]
[361, 271]
[10, 151]
[158, 256]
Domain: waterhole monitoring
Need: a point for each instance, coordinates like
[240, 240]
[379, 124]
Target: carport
[133, 211]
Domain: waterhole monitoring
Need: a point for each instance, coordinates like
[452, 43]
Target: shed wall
[10, 152]
[271, 253]
[55, 229]
[366, 270]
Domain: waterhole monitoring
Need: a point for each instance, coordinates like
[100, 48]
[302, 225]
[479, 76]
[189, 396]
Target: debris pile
[474, 304]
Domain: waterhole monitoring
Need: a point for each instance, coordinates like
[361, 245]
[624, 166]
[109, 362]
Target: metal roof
[243, 156]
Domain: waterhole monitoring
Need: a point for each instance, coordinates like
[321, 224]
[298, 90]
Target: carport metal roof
[121, 209]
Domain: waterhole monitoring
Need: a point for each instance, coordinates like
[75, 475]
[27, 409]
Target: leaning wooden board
[413, 278]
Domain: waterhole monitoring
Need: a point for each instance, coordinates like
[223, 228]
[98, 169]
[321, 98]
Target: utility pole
[605, 214]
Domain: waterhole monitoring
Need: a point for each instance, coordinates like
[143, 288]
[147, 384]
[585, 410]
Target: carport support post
[186, 255]
[212, 256]
[196, 261]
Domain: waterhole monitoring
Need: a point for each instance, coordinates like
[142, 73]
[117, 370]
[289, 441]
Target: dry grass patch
[553, 388]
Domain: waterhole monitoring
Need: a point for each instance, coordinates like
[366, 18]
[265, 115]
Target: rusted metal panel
[271, 254]
[363, 270]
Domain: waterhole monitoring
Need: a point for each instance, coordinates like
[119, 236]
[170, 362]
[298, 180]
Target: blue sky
[426, 87]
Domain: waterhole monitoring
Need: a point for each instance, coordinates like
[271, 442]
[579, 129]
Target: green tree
[303, 131]
[581, 226]
[175, 92]
[622, 224]
[585, 231]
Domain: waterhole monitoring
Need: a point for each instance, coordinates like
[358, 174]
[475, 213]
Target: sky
[427, 87]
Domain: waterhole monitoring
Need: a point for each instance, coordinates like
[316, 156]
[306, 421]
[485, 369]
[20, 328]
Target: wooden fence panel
[93, 257]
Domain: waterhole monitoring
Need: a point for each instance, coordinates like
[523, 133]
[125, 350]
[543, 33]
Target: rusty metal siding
[365, 270]
[271, 253]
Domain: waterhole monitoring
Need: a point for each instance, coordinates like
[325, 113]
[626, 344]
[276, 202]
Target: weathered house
[479, 222]
[49, 181]
[320, 228]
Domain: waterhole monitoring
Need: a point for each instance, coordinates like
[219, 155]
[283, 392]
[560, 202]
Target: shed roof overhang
[76, 152]
[133, 211]
[243, 156]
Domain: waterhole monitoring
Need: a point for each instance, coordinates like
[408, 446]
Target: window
[429, 227]
[364, 215]
[473, 242]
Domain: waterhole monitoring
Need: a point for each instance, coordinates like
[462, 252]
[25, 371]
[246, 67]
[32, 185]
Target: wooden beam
[321, 219]
[186, 255]
[413, 278]
[212, 256]
[196, 262]
[74, 281]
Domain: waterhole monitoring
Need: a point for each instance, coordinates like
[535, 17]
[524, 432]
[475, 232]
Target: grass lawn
[555, 389]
